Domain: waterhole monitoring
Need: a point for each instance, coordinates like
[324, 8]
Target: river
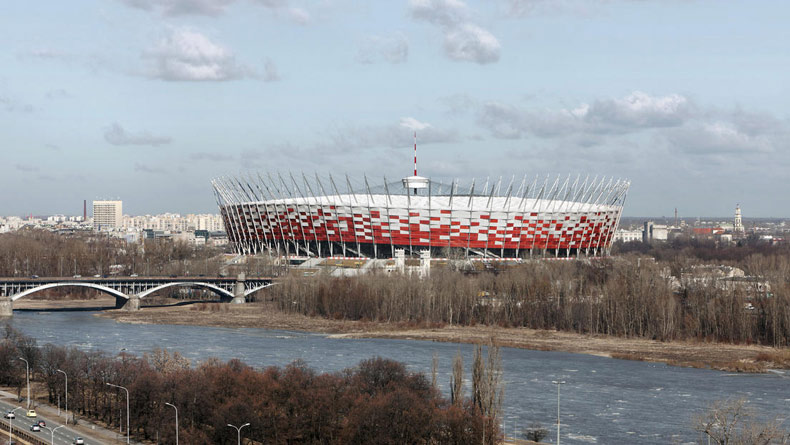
[604, 400]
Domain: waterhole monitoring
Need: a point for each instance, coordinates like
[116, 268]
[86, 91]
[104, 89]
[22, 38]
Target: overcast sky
[147, 100]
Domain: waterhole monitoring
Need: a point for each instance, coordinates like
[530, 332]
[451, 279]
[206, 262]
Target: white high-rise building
[107, 214]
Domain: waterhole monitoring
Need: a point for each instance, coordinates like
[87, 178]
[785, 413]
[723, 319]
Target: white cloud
[214, 8]
[393, 49]
[115, 134]
[639, 109]
[187, 55]
[413, 124]
[439, 12]
[636, 111]
[464, 40]
[471, 43]
[299, 16]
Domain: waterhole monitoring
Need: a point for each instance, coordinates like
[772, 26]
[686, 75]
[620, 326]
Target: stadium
[335, 216]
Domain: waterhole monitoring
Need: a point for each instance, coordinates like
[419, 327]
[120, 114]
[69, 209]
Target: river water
[604, 400]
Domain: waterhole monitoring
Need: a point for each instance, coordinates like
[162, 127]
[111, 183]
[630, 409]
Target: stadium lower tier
[329, 230]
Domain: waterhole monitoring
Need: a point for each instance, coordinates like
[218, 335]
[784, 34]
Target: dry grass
[698, 354]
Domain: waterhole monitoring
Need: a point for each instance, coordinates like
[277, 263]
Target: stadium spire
[415, 152]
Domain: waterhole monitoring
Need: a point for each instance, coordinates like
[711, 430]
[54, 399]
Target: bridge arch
[256, 289]
[216, 289]
[99, 287]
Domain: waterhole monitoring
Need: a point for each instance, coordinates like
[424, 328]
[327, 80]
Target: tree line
[28, 252]
[377, 401]
[628, 296]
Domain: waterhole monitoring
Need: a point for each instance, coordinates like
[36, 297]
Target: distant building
[628, 235]
[654, 232]
[107, 214]
[738, 224]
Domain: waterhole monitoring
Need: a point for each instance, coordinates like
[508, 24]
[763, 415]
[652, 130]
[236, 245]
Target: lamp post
[67, 394]
[558, 383]
[238, 431]
[174, 407]
[10, 421]
[52, 433]
[127, 408]
[27, 376]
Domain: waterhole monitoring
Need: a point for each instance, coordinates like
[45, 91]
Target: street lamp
[52, 432]
[127, 409]
[174, 407]
[27, 376]
[67, 394]
[558, 383]
[238, 431]
[10, 421]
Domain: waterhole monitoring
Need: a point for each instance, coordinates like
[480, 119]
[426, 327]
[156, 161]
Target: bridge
[129, 291]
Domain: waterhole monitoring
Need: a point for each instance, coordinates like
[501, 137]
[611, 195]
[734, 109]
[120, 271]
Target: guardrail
[24, 435]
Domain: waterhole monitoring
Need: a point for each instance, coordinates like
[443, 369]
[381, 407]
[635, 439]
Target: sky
[148, 100]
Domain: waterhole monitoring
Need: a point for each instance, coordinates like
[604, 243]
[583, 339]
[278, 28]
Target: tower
[738, 225]
[415, 182]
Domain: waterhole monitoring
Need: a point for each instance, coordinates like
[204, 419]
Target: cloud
[116, 135]
[13, 105]
[298, 15]
[26, 168]
[396, 135]
[471, 43]
[638, 109]
[447, 13]
[181, 7]
[59, 93]
[464, 40]
[413, 124]
[213, 157]
[187, 55]
[635, 111]
[734, 133]
[392, 49]
[214, 8]
[270, 73]
[142, 168]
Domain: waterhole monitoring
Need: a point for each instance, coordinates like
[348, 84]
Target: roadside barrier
[24, 436]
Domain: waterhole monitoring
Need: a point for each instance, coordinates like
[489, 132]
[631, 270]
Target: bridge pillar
[6, 307]
[238, 292]
[133, 304]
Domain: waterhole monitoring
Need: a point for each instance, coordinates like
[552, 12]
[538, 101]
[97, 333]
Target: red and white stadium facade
[296, 215]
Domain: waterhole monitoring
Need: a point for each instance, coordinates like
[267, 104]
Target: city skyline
[147, 100]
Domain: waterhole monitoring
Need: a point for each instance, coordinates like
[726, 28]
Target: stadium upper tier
[558, 217]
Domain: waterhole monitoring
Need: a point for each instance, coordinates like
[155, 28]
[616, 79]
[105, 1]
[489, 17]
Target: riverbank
[725, 357]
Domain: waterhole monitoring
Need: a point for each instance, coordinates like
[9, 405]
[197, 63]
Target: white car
[10, 415]
[78, 441]
[35, 427]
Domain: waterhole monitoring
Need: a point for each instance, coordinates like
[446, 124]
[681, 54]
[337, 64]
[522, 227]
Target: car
[77, 276]
[34, 276]
[31, 413]
[10, 415]
[78, 441]
[41, 423]
[35, 427]
[97, 276]
[134, 275]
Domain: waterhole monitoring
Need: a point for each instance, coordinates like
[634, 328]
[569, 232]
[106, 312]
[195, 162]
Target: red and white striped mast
[415, 153]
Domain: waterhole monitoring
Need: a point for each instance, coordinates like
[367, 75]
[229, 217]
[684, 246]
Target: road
[63, 436]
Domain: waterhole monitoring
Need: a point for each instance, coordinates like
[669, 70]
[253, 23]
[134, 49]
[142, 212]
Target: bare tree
[457, 381]
[733, 422]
